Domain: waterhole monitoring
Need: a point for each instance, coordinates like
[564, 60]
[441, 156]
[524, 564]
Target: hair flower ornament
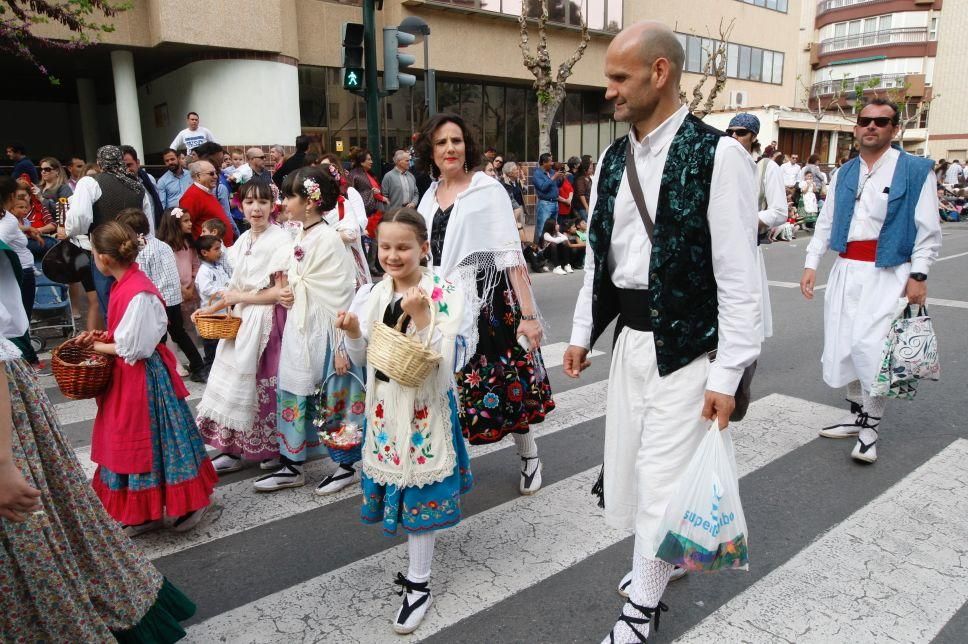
[177, 213]
[313, 192]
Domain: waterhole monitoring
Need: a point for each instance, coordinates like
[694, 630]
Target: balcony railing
[898, 36]
[829, 5]
[832, 86]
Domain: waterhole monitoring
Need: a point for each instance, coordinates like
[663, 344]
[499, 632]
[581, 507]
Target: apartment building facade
[263, 71]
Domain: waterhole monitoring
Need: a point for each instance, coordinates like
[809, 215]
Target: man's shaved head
[653, 40]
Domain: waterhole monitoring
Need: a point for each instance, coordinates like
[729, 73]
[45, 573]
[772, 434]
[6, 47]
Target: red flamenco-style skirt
[181, 479]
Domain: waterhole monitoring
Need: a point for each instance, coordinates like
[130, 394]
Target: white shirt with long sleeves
[790, 172]
[15, 238]
[141, 328]
[80, 211]
[732, 225]
[775, 213]
[870, 211]
[953, 175]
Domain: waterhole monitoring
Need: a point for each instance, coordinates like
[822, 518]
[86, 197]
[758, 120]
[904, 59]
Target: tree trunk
[816, 131]
[546, 120]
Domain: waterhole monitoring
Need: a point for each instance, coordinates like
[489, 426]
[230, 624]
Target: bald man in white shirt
[689, 288]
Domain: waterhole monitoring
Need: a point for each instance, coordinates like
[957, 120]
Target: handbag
[910, 355]
[65, 262]
[742, 394]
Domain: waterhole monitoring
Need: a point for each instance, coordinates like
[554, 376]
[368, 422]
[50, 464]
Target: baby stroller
[52, 310]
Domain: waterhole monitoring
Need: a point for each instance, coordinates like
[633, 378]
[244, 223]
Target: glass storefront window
[600, 15]
[516, 147]
[495, 117]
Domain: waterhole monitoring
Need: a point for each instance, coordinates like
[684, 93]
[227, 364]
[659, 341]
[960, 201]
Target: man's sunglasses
[740, 131]
[879, 121]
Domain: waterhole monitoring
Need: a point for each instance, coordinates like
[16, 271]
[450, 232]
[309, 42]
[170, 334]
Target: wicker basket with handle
[80, 372]
[403, 357]
[217, 326]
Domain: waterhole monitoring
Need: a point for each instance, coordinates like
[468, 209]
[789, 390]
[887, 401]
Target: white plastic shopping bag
[704, 528]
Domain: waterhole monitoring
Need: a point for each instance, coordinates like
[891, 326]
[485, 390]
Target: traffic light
[394, 60]
[352, 56]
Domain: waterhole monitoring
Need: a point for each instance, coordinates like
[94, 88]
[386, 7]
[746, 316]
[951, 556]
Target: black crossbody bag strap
[636, 188]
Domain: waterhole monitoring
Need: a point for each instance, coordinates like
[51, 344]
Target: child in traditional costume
[415, 462]
[344, 220]
[321, 276]
[67, 571]
[150, 456]
[237, 413]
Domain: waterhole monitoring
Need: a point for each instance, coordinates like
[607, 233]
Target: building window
[742, 61]
[775, 5]
[933, 29]
[600, 15]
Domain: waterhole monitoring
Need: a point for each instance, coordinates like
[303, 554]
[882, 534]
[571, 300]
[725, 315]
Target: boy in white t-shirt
[212, 278]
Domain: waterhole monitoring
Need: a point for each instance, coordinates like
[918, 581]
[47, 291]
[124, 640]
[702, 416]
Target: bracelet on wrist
[529, 318]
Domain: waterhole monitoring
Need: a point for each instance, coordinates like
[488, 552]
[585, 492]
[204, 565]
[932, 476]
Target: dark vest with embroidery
[682, 289]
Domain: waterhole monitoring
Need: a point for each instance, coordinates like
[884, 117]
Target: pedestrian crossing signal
[352, 78]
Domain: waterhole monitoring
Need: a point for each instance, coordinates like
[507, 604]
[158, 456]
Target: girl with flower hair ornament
[415, 462]
[321, 276]
[237, 414]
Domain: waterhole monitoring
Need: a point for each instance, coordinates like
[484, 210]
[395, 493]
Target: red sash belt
[863, 251]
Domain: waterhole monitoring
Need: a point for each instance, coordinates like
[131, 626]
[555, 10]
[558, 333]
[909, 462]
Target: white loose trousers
[860, 303]
[653, 426]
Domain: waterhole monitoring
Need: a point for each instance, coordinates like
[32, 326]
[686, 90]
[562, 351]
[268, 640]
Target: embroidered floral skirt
[181, 479]
[503, 388]
[431, 507]
[70, 575]
[301, 418]
[259, 441]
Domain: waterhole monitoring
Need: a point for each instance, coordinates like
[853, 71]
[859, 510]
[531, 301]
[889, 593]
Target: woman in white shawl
[474, 243]
[237, 414]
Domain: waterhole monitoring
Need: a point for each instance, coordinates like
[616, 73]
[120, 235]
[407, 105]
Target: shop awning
[825, 126]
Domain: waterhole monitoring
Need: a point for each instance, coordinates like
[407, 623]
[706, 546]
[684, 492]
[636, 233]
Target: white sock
[874, 408]
[421, 550]
[854, 392]
[527, 448]
[649, 579]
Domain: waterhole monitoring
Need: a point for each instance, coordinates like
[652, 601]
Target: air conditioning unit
[739, 98]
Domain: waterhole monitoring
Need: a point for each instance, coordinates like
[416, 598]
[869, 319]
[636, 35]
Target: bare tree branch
[715, 67]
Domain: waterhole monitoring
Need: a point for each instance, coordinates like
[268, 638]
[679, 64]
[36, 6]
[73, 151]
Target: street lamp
[418, 27]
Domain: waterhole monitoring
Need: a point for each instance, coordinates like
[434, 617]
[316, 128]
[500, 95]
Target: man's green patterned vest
[682, 289]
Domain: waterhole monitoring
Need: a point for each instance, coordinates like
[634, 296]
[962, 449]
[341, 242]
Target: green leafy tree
[84, 20]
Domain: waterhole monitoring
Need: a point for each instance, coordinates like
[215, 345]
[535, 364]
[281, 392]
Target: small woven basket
[402, 357]
[80, 372]
[217, 326]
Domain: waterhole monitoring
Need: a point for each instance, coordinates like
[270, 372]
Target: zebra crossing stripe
[540, 536]
[904, 554]
[240, 508]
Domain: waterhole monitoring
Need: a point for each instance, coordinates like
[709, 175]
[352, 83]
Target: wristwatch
[529, 318]
[919, 277]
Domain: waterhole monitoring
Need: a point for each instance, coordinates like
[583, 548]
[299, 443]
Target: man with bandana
[99, 199]
[771, 200]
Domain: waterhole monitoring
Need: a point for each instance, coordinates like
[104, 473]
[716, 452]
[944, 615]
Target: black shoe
[199, 375]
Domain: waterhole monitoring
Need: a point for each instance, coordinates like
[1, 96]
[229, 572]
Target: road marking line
[944, 259]
[554, 354]
[952, 303]
[77, 411]
[241, 508]
[901, 554]
[539, 537]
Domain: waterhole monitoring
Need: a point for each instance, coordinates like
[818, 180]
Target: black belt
[548, 200]
[634, 309]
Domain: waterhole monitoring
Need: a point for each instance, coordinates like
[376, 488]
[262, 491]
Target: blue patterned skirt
[419, 509]
[301, 418]
[181, 479]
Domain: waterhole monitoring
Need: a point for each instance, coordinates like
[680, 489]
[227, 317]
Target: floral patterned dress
[69, 574]
[503, 388]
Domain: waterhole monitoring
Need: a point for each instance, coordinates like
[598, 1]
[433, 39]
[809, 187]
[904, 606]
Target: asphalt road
[289, 567]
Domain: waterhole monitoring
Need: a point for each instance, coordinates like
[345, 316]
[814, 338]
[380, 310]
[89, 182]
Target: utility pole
[371, 86]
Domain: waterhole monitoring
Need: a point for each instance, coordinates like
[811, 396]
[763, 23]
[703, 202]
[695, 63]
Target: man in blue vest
[881, 216]
[687, 288]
